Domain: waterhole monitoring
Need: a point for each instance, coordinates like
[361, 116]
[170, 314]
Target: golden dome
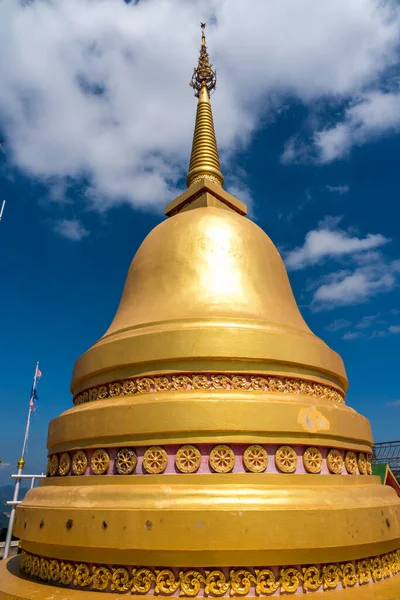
[207, 284]
[209, 451]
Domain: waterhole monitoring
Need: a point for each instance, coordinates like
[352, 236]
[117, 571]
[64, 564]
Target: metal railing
[14, 503]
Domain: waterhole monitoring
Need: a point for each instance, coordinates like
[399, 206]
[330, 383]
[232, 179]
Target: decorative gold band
[221, 458]
[211, 582]
[207, 381]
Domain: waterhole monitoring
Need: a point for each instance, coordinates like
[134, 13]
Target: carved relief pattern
[79, 463]
[222, 459]
[286, 459]
[155, 460]
[255, 458]
[100, 461]
[362, 463]
[183, 382]
[125, 461]
[312, 460]
[187, 459]
[65, 464]
[350, 462]
[369, 465]
[334, 461]
[53, 466]
[211, 582]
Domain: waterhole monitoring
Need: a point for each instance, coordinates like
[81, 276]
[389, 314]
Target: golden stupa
[210, 451]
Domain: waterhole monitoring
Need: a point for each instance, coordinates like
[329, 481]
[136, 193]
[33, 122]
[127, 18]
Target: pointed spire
[204, 160]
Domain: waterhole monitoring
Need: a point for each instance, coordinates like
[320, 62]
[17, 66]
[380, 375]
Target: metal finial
[203, 74]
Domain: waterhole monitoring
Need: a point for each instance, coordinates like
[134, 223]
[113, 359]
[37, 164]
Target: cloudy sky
[96, 116]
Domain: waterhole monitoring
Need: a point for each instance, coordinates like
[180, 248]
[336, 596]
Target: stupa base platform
[15, 585]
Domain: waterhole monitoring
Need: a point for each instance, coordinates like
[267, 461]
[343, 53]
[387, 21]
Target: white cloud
[338, 189]
[72, 229]
[394, 329]
[96, 91]
[394, 403]
[368, 321]
[338, 324]
[374, 114]
[329, 242]
[346, 287]
[351, 335]
[4, 465]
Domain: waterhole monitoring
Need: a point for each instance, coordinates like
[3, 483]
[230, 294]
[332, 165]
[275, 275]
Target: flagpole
[21, 464]
[28, 422]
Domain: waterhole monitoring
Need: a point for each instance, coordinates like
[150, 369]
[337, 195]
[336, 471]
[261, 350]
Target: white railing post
[15, 501]
[21, 464]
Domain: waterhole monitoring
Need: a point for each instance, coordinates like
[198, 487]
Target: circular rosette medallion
[53, 467]
[255, 458]
[222, 459]
[79, 463]
[187, 459]
[350, 462]
[155, 460]
[286, 459]
[125, 461]
[362, 463]
[312, 460]
[99, 462]
[65, 464]
[369, 464]
[335, 462]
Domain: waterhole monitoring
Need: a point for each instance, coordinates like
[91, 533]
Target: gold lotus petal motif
[155, 460]
[187, 459]
[312, 460]
[222, 459]
[100, 461]
[334, 461]
[255, 458]
[65, 463]
[286, 459]
[125, 461]
[79, 463]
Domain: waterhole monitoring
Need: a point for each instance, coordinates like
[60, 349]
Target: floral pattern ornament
[334, 461]
[99, 462]
[155, 460]
[79, 463]
[208, 381]
[286, 459]
[211, 582]
[362, 463]
[369, 465]
[65, 464]
[125, 461]
[255, 458]
[53, 465]
[350, 462]
[187, 459]
[222, 459]
[312, 460]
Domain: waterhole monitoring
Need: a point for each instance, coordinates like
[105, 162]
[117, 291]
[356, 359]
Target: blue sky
[97, 119]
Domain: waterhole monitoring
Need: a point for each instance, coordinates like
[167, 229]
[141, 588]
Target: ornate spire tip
[203, 74]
